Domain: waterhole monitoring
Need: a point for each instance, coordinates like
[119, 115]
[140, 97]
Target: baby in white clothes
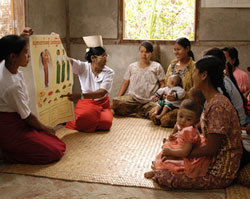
[171, 95]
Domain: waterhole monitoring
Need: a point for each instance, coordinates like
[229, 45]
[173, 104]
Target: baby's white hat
[93, 41]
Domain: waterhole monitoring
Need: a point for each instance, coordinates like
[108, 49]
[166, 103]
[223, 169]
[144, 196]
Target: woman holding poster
[23, 138]
[92, 111]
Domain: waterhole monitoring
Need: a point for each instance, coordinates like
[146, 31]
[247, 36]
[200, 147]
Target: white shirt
[13, 92]
[89, 82]
[144, 82]
[180, 93]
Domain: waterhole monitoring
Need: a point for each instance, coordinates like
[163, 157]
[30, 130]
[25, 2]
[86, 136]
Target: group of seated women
[216, 76]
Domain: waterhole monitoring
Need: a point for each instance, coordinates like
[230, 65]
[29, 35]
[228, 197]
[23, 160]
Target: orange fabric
[92, 115]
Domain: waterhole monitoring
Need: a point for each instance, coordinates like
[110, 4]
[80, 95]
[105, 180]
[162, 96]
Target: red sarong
[92, 115]
[21, 143]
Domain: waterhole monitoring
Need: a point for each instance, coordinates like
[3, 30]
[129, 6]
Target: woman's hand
[166, 154]
[171, 97]
[27, 31]
[154, 98]
[50, 130]
[54, 33]
[172, 137]
[74, 97]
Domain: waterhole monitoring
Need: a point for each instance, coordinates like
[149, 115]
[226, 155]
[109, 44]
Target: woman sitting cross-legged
[182, 66]
[221, 128]
[142, 79]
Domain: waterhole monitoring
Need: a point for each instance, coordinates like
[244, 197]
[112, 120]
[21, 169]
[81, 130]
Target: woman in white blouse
[23, 138]
[142, 79]
[92, 111]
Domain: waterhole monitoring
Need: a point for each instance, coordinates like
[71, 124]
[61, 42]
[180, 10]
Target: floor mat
[119, 156]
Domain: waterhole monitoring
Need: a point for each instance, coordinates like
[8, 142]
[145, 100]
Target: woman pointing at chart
[92, 111]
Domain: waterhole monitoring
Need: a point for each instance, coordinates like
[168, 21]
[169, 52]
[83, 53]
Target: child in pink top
[173, 156]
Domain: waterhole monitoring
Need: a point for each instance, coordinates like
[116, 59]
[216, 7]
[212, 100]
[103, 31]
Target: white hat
[93, 41]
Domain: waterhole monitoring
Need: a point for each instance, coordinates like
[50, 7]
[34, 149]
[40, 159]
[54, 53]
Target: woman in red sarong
[23, 138]
[92, 111]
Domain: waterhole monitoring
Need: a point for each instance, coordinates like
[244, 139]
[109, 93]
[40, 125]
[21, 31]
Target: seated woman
[231, 86]
[23, 138]
[143, 78]
[221, 128]
[183, 66]
[92, 111]
[241, 77]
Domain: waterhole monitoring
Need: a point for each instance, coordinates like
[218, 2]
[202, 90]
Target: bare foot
[158, 117]
[149, 174]
[154, 114]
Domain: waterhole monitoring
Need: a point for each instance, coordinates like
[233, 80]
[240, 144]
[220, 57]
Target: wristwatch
[82, 97]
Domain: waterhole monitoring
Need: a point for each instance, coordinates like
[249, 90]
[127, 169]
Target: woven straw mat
[119, 156]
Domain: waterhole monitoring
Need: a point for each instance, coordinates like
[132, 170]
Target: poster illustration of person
[45, 62]
[48, 60]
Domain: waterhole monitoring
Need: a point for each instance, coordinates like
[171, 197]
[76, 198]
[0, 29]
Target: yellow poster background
[53, 78]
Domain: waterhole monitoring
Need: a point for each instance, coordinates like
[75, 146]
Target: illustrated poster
[53, 78]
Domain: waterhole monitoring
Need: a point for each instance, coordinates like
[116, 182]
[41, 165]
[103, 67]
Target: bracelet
[82, 97]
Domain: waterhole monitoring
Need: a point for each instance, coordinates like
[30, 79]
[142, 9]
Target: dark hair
[219, 54]
[184, 42]
[214, 68]
[149, 47]
[96, 51]
[233, 54]
[11, 44]
[192, 106]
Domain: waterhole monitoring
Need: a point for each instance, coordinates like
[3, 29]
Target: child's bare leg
[149, 174]
[163, 112]
[157, 109]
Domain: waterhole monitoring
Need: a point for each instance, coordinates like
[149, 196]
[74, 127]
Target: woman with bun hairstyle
[92, 111]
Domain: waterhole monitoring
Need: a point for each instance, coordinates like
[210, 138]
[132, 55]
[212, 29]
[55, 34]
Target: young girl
[174, 87]
[23, 138]
[173, 156]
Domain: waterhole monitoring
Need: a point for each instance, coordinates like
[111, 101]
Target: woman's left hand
[155, 99]
[166, 152]
[50, 130]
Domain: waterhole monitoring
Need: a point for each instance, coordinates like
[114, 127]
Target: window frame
[121, 31]
[19, 15]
